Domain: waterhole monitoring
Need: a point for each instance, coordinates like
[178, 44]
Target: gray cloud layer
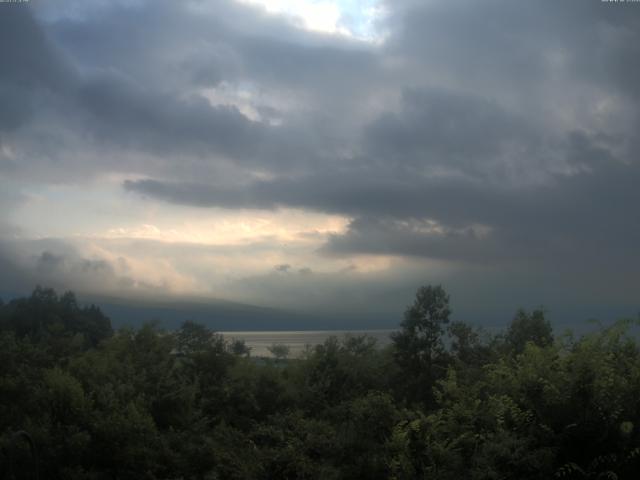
[479, 133]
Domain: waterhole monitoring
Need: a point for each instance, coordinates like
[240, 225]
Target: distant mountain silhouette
[219, 315]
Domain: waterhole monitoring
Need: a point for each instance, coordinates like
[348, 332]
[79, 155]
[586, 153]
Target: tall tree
[529, 327]
[419, 343]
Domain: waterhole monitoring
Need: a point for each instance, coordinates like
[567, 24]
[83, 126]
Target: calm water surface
[297, 340]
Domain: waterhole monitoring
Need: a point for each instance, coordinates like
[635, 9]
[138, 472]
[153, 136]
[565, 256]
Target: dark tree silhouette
[419, 343]
[529, 327]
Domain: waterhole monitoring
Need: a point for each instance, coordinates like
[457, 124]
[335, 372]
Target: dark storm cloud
[57, 263]
[132, 63]
[486, 152]
[458, 132]
[491, 132]
[282, 268]
[332, 69]
[224, 40]
[573, 216]
[30, 66]
[124, 84]
[28, 58]
[53, 264]
[128, 113]
[511, 44]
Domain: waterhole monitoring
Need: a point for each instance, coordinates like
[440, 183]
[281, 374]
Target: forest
[444, 400]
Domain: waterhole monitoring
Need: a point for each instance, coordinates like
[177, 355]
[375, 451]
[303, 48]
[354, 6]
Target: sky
[324, 156]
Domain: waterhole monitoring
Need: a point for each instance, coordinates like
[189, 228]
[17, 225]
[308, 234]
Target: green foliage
[339, 370]
[239, 347]
[150, 404]
[420, 340]
[279, 350]
[529, 327]
[419, 347]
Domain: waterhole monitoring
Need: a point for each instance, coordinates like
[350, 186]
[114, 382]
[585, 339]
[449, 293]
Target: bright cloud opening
[354, 18]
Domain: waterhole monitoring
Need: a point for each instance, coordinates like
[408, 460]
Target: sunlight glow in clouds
[98, 210]
[354, 18]
[232, 229]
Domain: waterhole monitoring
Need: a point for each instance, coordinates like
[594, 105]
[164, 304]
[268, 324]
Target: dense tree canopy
[446, 403]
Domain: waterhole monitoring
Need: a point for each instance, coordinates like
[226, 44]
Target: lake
[259, 342]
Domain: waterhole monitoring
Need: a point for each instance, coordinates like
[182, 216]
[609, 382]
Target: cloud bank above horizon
[324, 156]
